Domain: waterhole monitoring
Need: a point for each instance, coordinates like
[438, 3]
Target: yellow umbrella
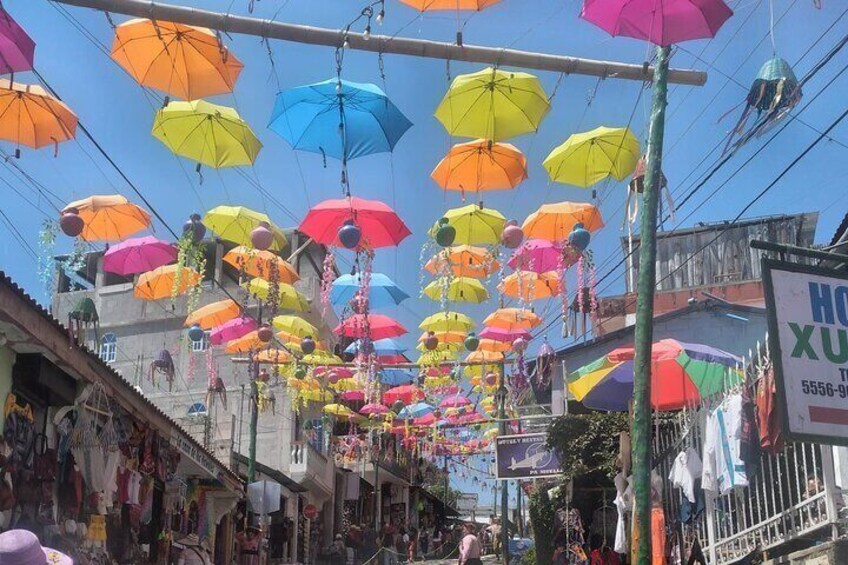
[463, 261]
[484, 357]
[234, 223]
[493, 104]
[474, 225]
[214, 314]
[339, 410]
[460, 289]
[261, 264]
[289, 297]
[109, 217]
[292, 342]
[443, 346]
[276, 356]
[436, 357]
[554, 222]
[588, 157]
[529, 285]
[159, 283]
[447, 322]
[321, 358]
[512, 319]
[294, 325]
[445, 337]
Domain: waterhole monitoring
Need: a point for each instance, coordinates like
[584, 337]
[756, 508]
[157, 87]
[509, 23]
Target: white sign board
[807, 311]
[466, 502]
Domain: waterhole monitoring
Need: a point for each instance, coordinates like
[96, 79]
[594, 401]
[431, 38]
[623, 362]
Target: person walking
[494, 530]
[469, 547]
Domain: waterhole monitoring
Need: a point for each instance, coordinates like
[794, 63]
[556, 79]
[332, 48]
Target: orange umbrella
[445, 337]
[214, 314]
[159, 283]
[246, 343]
[273, 356]
[478, 166]
[512, 319]
[483, 357]
[554, 222]
[494, 346]
[261, 264]
[185, 61]
[30, 116]
[292, 341]
[528, 285]
[109, 218]
[428, 5]
[463, 261]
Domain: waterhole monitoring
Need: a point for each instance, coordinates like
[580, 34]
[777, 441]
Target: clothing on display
[768, 418]
[685, 470]
[723, 468]
[622, 504]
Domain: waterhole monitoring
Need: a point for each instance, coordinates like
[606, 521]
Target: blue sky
[119, 115]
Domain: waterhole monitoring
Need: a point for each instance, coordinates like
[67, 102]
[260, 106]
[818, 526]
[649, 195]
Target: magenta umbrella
[16, 47]
[662, 22]
[454, 401]
[352, 396]
[372, 408]
[537, 255]
[234, 329]
[138, 255]
[499, 334]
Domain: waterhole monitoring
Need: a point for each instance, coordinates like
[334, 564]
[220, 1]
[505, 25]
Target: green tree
[542, 517]
[587, 444]
[439, 492]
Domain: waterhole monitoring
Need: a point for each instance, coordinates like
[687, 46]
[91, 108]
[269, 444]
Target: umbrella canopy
[30, 116]
[234, 223]
[160, 282]
[512, 319]
[479, 166]
[138, 255]
[395, 377]
[463, 261]
[431, 358]
[339, 410]
[432, 5]
[445, 337]
[17, 49]
[289, 298]
[248, 342]
[529, 285]
[493, 104]
[233, 329]
[212, 135]
[661, 23]
[442, 346]
[385, 346]
[681, 374]
[484, 357]
[374, 326]
[373, 409]
[537, 255]
[589, 157]
[292, 341]
[382, 291]
[276, 356]
[294, 326]
[417, 410]
[261, 264]
[408, 394]
[109, 218]
[338, 118]
[555, 222]
[459, 289]
[184, 61]
[379, 224]
[447, 322]
[214, 314]
[474, 225]
[454, 401]
[494, 345]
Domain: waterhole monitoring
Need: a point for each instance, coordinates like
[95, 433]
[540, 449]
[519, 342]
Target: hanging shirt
[723, 466]
[622, 504]
[685, 470]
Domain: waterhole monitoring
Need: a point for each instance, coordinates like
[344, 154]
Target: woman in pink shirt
[469, 547]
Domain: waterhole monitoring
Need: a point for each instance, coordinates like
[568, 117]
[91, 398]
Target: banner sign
[466, 502]
[807, 311]
[525, 457]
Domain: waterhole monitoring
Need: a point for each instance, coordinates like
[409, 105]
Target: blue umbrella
[396, 377]
[415, 411]
[341, 119]
[383, 290]
[386, 346]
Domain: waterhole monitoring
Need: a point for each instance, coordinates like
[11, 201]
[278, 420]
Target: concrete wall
[828, 553]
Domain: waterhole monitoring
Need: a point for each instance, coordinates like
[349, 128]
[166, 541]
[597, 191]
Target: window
[197, 409]
[108, 347]
[201, 344]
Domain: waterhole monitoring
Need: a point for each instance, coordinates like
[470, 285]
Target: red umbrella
[379, 224]
[375, 326]
[407, 394]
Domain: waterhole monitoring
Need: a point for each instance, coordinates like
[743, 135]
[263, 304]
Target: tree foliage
[587, 444]
[543, 519]
[439, 492]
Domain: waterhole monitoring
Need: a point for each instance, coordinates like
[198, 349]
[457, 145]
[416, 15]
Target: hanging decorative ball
[512, 235]
[196, 333]
[261, 236]
[437, 414]
[579, 237]
[397, 406]
[472, 342]
[265, 333]
[194, 226]
[350, 235]
[445, 233]
[431, 342]
[519, 345]
[307, 345]
[263, 376]
[546, 357]
[71, 223]
[332, 377]
[491, 378]
[300, 373]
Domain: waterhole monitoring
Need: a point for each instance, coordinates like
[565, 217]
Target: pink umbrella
[16, 47]
[372, 408]
[662, 22]
[500, 334]
[426, 420]
[353, 396]
[375, 326]
[138, 254]
[537, 255]
[234, 329]
[454, 401]
[405, 393]
[339, 372]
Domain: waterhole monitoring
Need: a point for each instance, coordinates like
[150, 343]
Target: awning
[240, 467]
[440, 505]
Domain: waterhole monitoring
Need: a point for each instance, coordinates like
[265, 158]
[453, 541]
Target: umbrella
[408, 394]
[379, 224]
[17, 49]
[505, 335]
[392, 359]
[31, 117]
[661, 23]
[426, 420]
[233, 329]
[431, 358]
[447, 322]
[276, 356]
[289, 298]
[493, 104]
[212, 135]
[395, 377]
[339, 410]
[588, 157]
[454, 401]
[137, 255]
[382, 291]
[554, 222]
[474, 225]
[512, 319]
[479, 166]
[484, 357]
[161, 281]
[234, 223]
[681, 374]
[321, 358]
[431, 5]
[261, 264]
[417, 410]
[463, 261]
[214, 314]
[109, 218]
[445, 337]
[385, 346]
[292, 341]
[338, 118]
[537, 255]
[529, 285]
[182, 60]
[442, 346]
[374, 326]
[459, 289]
[373, 408]
[494, 345]
[294, 325]
[353, 396]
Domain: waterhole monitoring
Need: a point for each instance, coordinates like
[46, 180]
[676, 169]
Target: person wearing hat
[193, 552]
[21, 547]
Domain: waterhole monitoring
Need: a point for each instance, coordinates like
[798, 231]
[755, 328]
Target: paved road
[487, 560]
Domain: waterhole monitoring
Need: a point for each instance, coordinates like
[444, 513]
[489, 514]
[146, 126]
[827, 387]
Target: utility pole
[505, 485]
[644, 331]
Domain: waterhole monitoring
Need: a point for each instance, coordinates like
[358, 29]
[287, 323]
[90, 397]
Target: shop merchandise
[723, 468]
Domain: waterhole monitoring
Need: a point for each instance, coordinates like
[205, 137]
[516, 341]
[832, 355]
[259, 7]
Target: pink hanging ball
[512, 235]
[71, 223]
[261, 236]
